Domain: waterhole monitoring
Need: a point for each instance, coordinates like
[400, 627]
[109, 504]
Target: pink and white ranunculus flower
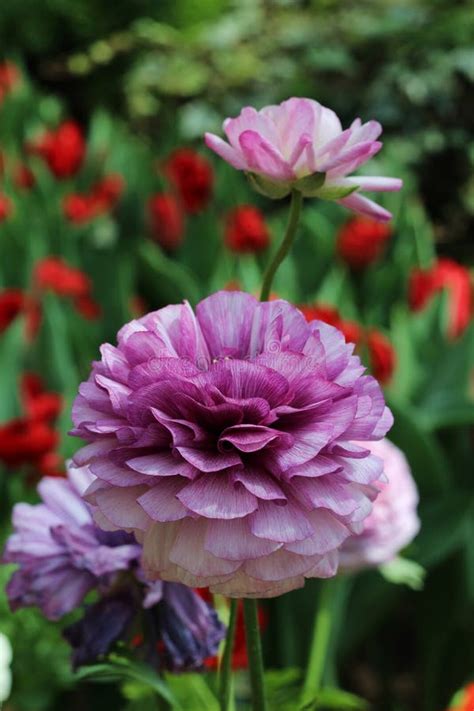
[393, 522]
[301, 145]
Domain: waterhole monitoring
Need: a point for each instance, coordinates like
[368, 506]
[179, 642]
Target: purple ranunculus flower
[61, 553]
[394, 521]
[280, 146]
[225, 439]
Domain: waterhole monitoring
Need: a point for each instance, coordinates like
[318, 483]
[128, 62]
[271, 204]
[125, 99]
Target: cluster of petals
[225, 438]
[299, 138]
[393, 522]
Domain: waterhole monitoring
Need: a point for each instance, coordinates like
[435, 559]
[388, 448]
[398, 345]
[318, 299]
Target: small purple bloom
[225, 439]
[281, 146]
[187, 627]
[61, 553]
[103, 624]
[394, 521]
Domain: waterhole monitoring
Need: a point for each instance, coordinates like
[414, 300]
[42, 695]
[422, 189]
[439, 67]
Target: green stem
[254, 651]
[225, 672]
[285, 246]
[323, 625]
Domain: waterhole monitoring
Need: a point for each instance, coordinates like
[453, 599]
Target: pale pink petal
[225, 151]
[367, 207]
[233, 540]
[189, 553]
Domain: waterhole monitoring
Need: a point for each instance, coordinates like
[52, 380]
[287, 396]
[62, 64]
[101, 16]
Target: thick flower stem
[285, 246]
[225, 672]
[254, 652]
[323, 625]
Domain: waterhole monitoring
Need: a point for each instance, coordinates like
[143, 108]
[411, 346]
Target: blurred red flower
[360, 241]
[31, 439]
[239, 653]
[12, 303]
[382, 356]
[167, 221]
[88, 308]
[466, 701]
[23, 441]
[5, 207]
[39, 404]
[50, 464]
[192, 177]
[80, 208]
[10, 77]
[63, 149]
[23, 177]
[54, 274]
[246, 230]
[109, 189]
[445, 274]
[329, 314]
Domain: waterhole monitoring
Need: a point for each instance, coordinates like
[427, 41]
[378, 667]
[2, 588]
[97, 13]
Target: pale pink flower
[393, 522]
[301, 144]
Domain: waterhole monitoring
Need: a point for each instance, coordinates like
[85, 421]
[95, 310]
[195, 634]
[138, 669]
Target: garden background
[128, 83]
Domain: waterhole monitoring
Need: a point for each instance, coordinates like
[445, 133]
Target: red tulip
[192, 177]
[445, 274]
[167, 222]
[360, 241]
[246, 230]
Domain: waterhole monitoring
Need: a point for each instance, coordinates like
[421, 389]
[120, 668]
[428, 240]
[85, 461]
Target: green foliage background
[146, 76]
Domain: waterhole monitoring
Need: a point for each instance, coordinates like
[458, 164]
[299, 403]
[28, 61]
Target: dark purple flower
[225, 439]
[188, 628]
[103, 624]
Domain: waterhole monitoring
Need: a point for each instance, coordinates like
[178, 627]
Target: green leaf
[272, 190]
[123, 669]
[443, 529]
[191, 691]
[310, 185]
[336, 699]
[334, 193]
[166, 276]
